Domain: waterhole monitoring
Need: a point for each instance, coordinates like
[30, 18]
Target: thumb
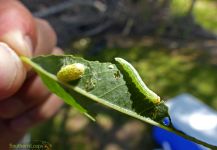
[17, 30]
[12, 72]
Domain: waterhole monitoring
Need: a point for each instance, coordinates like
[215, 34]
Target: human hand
[24, 100]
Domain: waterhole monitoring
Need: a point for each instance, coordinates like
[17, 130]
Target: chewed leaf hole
[117, 75]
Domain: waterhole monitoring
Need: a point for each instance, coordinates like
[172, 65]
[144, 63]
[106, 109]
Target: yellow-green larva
[137, 81]
[71, 72]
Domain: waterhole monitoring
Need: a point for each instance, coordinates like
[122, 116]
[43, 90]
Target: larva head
[71, 72]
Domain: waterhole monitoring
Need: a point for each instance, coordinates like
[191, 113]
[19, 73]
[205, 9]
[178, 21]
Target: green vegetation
[204, 12]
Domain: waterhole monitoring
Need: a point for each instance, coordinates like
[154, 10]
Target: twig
[128, 26]
[67, 5]
[98, 29]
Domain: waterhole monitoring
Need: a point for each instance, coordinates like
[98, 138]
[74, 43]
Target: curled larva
[71, 72]
[136, 80]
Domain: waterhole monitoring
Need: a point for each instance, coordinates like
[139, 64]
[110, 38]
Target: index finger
[17, 27]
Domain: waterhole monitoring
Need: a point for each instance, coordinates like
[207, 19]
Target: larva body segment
[71, 72]
[137, 81]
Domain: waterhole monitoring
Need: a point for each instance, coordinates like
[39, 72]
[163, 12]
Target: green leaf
[101, 83]
[51, 82]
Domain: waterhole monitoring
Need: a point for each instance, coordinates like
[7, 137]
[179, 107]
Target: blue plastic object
[191, 116]
[171, 141]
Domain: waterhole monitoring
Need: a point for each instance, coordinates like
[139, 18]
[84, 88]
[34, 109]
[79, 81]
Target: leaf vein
[111, 90]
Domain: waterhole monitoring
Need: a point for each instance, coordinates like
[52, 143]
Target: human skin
[24, 100]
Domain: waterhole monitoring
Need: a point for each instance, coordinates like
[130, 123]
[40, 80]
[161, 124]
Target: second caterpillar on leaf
[71, 72]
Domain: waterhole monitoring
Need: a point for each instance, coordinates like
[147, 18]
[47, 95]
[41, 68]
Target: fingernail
[20, 124]
[12, 72]
[8, 51]
[20, 43]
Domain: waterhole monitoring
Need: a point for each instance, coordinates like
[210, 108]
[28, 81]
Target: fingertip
[46, 37]
[57, 51]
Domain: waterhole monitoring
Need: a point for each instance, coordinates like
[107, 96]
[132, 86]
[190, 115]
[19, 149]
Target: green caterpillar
[136, 80]
[71, 72]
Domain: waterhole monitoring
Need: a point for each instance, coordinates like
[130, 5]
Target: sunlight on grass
[206, 14]
[180, 7]
[204, 11]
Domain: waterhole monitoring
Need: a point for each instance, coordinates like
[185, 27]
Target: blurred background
[172, 43]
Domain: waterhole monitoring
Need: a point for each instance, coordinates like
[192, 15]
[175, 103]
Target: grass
[204, 11]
